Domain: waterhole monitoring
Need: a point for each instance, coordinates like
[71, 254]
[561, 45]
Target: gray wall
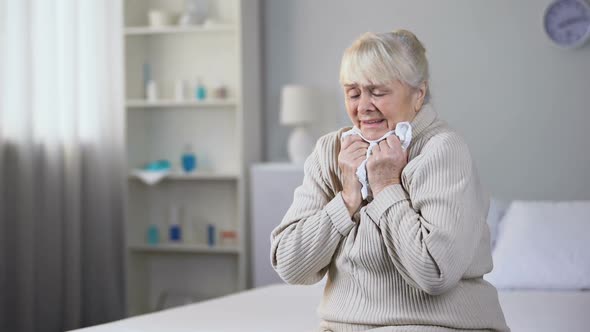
[520, 102]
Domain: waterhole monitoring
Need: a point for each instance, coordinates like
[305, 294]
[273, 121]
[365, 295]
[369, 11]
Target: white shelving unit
[225, 137]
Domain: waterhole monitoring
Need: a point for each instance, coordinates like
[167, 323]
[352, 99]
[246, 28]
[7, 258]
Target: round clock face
[567, 22]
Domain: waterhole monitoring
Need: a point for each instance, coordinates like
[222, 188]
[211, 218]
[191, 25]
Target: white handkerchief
[403, 131]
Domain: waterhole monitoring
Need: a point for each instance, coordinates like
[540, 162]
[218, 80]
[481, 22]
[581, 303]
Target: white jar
[158, 18]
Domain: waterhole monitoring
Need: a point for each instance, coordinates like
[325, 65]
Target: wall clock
[567, 22]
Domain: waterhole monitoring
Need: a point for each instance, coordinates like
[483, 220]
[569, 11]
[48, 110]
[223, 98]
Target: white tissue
[403, 131]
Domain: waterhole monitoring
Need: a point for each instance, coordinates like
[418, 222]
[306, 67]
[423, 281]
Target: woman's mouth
[372, 123]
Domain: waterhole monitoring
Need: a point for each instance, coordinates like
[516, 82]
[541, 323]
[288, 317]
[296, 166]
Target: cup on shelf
[159, 18]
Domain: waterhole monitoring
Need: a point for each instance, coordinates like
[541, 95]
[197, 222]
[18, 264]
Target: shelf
[221, 131]
[172, 29]
[184, 248]
[164, 103]
[199, 175]
[279, 166]
[203, 176]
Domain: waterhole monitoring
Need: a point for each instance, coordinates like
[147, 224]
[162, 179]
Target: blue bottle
[175, 232]
[211, 235]
[188, 159]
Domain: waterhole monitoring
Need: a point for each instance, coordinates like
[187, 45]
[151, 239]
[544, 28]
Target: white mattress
[293, 308]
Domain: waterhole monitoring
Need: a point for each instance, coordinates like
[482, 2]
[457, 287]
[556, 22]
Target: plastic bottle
[152, 90]
[188, 159]
[175, 230]
[200, 91]
[211, 235]
[153, 234]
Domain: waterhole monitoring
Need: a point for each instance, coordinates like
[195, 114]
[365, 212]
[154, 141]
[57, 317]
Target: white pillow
[497, 210]
[543, 245]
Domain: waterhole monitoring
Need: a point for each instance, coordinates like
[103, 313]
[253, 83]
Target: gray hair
[379, 58]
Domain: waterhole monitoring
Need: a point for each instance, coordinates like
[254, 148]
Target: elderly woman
[401, 233]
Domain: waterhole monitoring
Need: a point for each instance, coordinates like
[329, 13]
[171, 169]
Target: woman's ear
[419, 96]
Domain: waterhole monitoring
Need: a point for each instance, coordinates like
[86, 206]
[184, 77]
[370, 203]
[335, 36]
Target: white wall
[520, 102]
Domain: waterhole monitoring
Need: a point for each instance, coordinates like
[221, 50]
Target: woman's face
[376, 109]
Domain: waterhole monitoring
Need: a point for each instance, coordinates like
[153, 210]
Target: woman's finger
[384, 146]
[362, 145]
[346, 142]
[357, 161]
[377, 149]
[349, 140]
[393, 141]
[358, 153]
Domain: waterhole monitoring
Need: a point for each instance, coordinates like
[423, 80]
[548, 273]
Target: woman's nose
[365, 103]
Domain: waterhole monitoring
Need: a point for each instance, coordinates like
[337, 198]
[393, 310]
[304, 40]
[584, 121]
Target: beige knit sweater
[413, 258]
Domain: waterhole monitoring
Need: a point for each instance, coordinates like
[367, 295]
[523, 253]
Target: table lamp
[297, 110]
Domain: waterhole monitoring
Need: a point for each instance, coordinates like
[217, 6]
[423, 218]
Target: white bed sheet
[546, 310]
[288, 308]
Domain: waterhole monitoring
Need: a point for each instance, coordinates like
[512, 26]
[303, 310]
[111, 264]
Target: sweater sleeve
[303, 244]
[431, 232]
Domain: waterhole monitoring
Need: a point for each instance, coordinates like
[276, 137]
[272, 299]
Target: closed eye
[379, 91]
[353, 93]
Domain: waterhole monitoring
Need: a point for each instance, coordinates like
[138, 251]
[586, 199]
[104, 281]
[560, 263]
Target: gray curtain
[62, 168]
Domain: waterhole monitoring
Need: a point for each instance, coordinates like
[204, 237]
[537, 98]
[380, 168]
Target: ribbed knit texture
[413, 258]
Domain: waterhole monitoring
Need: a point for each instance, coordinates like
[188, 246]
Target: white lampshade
[297, 106]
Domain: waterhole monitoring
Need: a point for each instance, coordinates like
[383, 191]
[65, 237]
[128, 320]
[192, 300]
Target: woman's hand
[352, 153]
[385, 164]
